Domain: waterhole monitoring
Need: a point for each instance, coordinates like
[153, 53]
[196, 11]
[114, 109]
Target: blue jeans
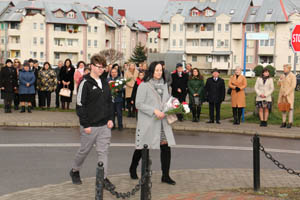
[118, 110]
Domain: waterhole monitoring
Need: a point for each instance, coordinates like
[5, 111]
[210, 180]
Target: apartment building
[153, 42]
[49, 31]
[211, 33]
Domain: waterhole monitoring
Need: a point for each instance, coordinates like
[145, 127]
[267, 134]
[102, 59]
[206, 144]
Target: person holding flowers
[152, 126]
[117, 98]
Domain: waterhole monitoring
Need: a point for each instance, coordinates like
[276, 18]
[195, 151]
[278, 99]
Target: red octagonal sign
[296, 39]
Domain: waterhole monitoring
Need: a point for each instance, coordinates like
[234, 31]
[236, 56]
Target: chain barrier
[276, 162]
[112, 189]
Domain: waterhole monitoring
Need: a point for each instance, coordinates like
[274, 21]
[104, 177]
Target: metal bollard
[256, 163]
[99, 181]
[145, 190]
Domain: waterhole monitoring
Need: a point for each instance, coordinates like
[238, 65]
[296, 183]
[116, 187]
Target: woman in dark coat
[27, 87]
[138, 81]
[67, 81]
[8, 84]
[196, 93]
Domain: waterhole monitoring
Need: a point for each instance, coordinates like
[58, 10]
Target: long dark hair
[45, 63]
[150, 72]
[69, 61]
[80, 63]
[200, 77]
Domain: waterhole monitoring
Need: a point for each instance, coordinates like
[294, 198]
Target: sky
[135, 9]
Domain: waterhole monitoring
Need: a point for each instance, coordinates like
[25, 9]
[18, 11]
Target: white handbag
[66, 92]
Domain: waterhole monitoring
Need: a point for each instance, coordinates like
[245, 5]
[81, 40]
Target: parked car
[249, 73]
[298, 82]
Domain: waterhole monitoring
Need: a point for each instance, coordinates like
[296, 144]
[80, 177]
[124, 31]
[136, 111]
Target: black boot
[198, 112]
[234, 112]
[68, 105]
[194, 114]
[240, 111]
[289, 125]
[283, 125]
[5, 108]
[265, 124]
[165, 159]
[29, 109]
[9, 108]
[134, 163]
[261, 123]
[22, 109]
[63, 105]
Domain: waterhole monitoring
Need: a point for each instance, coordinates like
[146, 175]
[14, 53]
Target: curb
[195, 130]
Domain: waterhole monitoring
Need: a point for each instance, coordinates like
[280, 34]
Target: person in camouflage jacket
[46, 83]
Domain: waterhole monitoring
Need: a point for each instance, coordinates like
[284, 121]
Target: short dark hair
[98, 59]
[265, 70]
[48, 64]
[30, 60]
[162, 62]
[80, 63]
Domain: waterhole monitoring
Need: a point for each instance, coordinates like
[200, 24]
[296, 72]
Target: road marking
[235, 148]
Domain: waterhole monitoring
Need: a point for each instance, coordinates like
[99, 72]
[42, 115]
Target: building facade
[211, 33]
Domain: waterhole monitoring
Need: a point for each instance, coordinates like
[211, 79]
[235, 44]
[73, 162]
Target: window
[208, 59]
[70, 42]
[209, 27]
[174, 43]
[41, 55]
[194, 13]
[2, 40]
[34, 26]
[96, 29]
[226, 43]
[206, 42]
[56, 55]
[155, 50]
[174, 27]
[89, 43]
[89, 29]
[15, 25]
[234, 59]
[218, 58]
[34, 54]
[42, 26]
[266, 43]
[226, 58]
[209, 13]
[249, 59]
[226, 27]
[290, 59]
[231, 11]
[272, 41]
[34, 40]
[150, 39]
[267, 27]
[197, 28]
[155, 40]
[71, 15]
[18, 54]
[194, 58]
[181, 27]
[41, 40]
[60, 27]
[250, 27]
[195, 43]
[95, 43]
[150, 50]
[181, 43]
[262, 42]
[220, 43]
[219, 27]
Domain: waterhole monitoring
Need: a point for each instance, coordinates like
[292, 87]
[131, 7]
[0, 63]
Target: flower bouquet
[117, 85]
[173, 107]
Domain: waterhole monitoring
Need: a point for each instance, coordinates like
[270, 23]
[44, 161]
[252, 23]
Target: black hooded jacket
[94, 105]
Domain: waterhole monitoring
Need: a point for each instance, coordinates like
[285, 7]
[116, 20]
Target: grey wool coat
[148, 126]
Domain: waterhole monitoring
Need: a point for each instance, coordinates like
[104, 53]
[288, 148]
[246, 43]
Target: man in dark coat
[8, 84]
[179, 85]
[215, 94]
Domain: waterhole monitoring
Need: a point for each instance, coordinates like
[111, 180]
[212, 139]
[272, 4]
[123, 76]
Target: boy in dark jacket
[94, 108]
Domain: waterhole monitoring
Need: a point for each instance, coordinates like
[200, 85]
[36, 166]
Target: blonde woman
[132, 74]
[287, 83]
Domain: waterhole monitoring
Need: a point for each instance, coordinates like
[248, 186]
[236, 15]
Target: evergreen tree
[139, 54]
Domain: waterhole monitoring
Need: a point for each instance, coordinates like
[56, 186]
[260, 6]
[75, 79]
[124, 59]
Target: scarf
[158, 85]
[139, 81]
[286, 74]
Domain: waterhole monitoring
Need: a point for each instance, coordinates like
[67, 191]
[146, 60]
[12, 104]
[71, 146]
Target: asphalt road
[33, 157]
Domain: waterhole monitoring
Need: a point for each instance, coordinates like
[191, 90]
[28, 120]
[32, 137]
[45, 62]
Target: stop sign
[295, 42]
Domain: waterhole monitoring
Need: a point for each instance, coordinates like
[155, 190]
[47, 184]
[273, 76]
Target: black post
[99, 181]
[145, 190]
[256, 163]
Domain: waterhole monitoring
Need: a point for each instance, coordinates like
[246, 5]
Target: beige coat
[130, 84]
[287, 88]
[264, 89]
[238, 99]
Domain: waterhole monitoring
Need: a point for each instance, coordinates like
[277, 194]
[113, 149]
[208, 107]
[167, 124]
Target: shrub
[258, 70]
[271, 70]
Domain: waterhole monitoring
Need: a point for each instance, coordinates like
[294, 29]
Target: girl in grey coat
[152, 126]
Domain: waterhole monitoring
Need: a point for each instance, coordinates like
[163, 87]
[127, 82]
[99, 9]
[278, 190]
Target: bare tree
[112, 55]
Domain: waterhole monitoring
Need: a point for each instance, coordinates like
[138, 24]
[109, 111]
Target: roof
[237, 9]
[150, 24]
[4, 5]
[12, 14]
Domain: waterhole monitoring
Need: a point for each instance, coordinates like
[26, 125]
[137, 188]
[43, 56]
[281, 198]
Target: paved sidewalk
[69, 119]
[203, 184]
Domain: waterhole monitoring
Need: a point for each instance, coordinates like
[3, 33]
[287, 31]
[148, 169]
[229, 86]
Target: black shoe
[283, 125]
[289, 125]
[218, 122]
[180, 119]
[75, 177]
[194, 119]
[108, 184]
[168, 180]
[29, 109]
[265, 123]
[210, 122]
[22, 109]
[261, 123]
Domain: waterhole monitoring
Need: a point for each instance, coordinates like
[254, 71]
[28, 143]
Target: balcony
[221, 65]
[199, 49]
[200, 34]
[67, 34]
[11, 32]
[66, 48]
[14, 46]
[269, 50]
